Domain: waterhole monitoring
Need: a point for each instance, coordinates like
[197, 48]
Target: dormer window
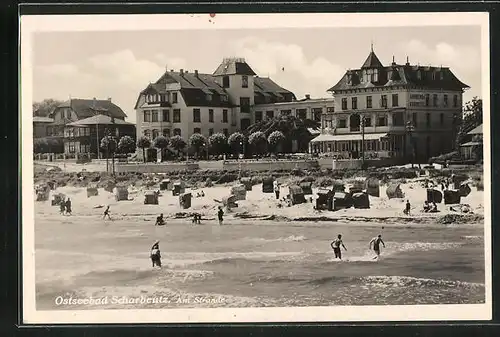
[223, 98]
[209, 97]
[419, 75]
[441, 75]
[433, 76]
[375, 75]
[244, 81]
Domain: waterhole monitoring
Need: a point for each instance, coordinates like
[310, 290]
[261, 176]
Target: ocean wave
[188, 259]
[291, 238]
[408, 281]
[472, 237]
[420, 246]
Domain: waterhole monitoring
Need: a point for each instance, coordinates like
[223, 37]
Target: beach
[263, 255]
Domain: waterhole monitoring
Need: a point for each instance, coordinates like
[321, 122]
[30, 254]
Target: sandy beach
[262, 255]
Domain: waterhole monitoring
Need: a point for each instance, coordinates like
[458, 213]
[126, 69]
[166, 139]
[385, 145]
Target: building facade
[40, 126]
[79, 123]
[183, 103]
[408, 110]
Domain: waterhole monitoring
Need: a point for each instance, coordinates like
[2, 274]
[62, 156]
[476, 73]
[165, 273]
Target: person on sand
[376, 245]
[159, 220]
[220, 215]
[68, 206]
[155, 254]
[62, 206]
[427, 207]
[407, 208]
[433, 208]
[277, 190]
[336, 246]
[106, 213]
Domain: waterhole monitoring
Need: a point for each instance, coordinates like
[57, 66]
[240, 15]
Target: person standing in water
[62, 206]
[376, 245]
[106, 213]
[155, 254]
[336, 246]
[68, 206]
[220, 215]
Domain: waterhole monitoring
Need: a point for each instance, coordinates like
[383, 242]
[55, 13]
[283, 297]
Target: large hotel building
[403, 106]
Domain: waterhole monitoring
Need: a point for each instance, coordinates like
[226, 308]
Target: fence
[154, 167]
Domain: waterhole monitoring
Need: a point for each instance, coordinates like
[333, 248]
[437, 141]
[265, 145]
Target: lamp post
[409, 129]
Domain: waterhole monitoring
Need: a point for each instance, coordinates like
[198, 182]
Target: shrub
[218, 143]
[126, 145]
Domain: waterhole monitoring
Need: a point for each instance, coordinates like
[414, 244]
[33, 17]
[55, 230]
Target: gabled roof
[89, 107]
[372, 61]
[234, 66]
[476, 131]
[99, 120]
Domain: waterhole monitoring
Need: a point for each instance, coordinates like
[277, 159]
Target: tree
[177, 143]
[197, 142]
[472, 117]
[218, 143]
[109, 144]
[56, 145]
[143, 143]
[40, 145]
[161, 142]
[236, 142]
[258, 142]
[126, 145]
[45, 107]
[275, 140]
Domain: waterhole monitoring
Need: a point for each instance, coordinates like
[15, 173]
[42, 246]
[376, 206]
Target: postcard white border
[53, 23]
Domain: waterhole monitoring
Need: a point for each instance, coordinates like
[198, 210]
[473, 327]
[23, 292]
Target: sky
[119, 64]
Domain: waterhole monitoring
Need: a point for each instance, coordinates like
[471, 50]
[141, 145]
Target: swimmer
[106, 213]
[336, 246]
[376, 245]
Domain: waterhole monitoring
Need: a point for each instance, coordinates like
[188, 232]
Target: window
[414, 119]
[395, 100]
[383, 101]
[441, 119]
[368, 101]
[210, 132]
[286, 112]
[210, 115]
[177, 115]
[445, 100]
[316, 113]
[244, 123]
[225, 82]
[71, 147]
[147, 116]
[244, 81]
[258, 116]
[382, 120]
[269, 114]
[455, 101]
[224, 116]
[245, 104]
[177, 132]
[155, 133]
[174, 97]
[344, 103]
[368, 121]
[84, 148]
[398, 118]
[166, 115]
[166, 133]
[196, 130]
[301, 113]
[428, 120]
[342, 123]
[147, 133]
[419, 75]
[196, 116]
[223, 98]
[441, 75]
[354, 103]
[435, 100]
[427, 100]
[154, 116]
[225, 132]
[209, 97]
[330, 109]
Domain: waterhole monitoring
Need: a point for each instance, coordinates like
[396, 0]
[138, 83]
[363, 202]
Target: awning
[348, 137]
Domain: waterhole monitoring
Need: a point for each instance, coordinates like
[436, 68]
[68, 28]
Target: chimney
[308, 96]
[407, 61]
[186, 71]
[93, 102]
[181, 71]
[196, 72]
[109, 99]
[172, 70]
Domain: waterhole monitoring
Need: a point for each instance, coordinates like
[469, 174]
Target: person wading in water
[336, 246]
[376, 245]
[155, 254]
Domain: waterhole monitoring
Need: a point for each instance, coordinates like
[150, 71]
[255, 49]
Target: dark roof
[99, 120]
[88, 107]
[266, 86]
[407, 75]
[195, 87]
[234, 66]
[372, 61]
